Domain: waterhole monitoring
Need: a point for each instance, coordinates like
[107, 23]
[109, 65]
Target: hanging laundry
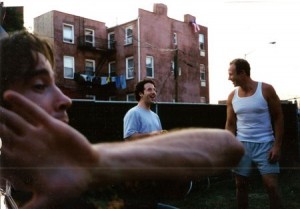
[103, 80]
[113, 79]
[118, 82]
[123, 81]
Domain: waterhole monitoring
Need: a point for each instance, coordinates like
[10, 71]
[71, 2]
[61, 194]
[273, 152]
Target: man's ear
[242, 72]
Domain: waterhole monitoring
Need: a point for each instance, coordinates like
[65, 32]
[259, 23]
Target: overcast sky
[235, 28]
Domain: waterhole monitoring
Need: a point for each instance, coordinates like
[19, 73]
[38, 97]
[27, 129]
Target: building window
[112, 68]
[172, 66]
[149, 66]
[175, 38]
[90, 67]
[202, 75]
[89, 37]
[201, 45]
[90, 96]
[130, 98]
[111, 40]
[68, 33]
[112, 98]
[128, 35]
[68, 67]
[202, 100]
[129, 68]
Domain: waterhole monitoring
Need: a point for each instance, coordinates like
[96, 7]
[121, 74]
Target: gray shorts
[256, 154]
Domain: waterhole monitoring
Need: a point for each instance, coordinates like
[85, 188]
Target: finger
[26, 108]
[13, 122]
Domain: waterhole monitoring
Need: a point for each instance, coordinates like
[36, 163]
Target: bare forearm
[279, 132]
[186, 153]
[231, 128]
[137, 136]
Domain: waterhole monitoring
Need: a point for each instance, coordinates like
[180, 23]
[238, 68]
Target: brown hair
[18, 58]
[241, 65]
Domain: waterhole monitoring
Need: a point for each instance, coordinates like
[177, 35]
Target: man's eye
[39, 87]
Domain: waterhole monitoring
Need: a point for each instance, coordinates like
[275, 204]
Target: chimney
[189, 18]
[160, 9]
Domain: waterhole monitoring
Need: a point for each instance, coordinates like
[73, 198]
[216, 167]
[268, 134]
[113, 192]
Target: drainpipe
[139, 50]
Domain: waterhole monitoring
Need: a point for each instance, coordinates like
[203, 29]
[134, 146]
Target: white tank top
[253, 117]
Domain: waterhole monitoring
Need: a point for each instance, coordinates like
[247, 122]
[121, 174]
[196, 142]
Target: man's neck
[142, 104]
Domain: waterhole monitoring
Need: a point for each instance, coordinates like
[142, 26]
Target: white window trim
[175, 38]
[202, 51]
[202, 99]
[127, 69]
[109, 39]
[202, 71]
[93, 36]
[112, 98]
[128, 38]
[94, 64]
[72, 33]
[109, 67]
[73, 66]
[152, 66]
[130, 95]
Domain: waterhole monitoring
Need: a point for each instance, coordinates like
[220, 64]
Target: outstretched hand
[56, 165]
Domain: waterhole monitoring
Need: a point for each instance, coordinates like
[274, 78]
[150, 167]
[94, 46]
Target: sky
[236, 29]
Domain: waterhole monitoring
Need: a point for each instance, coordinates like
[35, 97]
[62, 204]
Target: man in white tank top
[251, 109]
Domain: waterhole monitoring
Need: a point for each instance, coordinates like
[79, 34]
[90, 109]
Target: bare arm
[186, 153]
[277, 118]
[230, 115]
[61, 159]
[137, 136]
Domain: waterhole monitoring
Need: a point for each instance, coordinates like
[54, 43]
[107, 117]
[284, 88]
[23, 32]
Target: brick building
[93, 61]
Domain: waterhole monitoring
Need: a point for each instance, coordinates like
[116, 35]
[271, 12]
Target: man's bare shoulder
[268, 90]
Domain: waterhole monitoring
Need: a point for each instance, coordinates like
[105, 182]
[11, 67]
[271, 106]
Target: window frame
[127, 68]
[93, 66]
[152, 66]
[111, 41]
[110, 68]
[128, 37]
[87, 42]
[202, 44]
[131, 95]
[66, 39]
[175, 38]
[202, 75]
[72, 62]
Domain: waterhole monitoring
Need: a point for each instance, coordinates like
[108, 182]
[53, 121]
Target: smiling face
[149, 94]
[232, 75]
[40, 88]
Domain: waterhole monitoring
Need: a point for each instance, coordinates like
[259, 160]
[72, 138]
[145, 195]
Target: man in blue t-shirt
[140, 121]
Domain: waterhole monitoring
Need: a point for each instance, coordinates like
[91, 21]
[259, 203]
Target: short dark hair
[139, 88]
[18, 58]
[241, 65]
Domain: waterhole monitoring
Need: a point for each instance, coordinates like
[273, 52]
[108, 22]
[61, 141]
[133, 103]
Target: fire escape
[104, 48]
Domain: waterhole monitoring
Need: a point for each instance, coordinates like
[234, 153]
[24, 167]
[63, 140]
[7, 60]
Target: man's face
[149, 94]
[232, 76]
[41, 89]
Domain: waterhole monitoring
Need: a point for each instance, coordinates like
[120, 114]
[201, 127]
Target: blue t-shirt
[140, 120]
